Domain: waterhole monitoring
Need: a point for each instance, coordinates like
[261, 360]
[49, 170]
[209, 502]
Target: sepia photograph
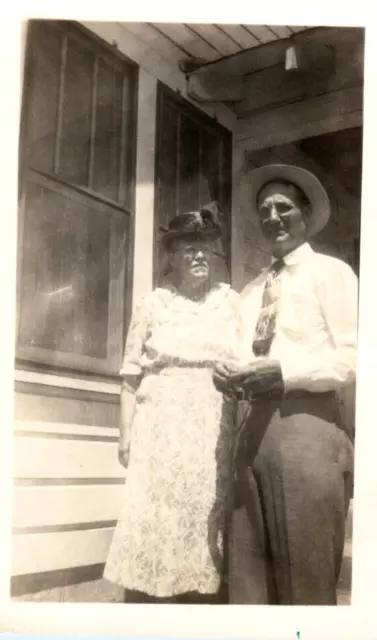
[188, 249]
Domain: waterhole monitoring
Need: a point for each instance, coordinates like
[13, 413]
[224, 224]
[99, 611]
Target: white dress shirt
[316, 326]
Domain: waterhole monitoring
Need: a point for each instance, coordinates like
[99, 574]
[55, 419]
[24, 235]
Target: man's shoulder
[327, 263]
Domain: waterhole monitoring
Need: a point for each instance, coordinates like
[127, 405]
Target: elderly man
[294, 458]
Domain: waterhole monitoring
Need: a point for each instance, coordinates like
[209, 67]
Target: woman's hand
[124, 454]
[127, 411]
[124, 446]
[222, 377]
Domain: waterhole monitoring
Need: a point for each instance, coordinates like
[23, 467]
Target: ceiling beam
[308, 57]
[210, 90]
[333, 111]
[274, 86]
[267, 55]
[314, 69]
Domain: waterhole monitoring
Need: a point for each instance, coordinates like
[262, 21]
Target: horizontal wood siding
[37, 552]
[68, 492]
[57, 506]
[71, 456]
[335, 111]
[82, 584]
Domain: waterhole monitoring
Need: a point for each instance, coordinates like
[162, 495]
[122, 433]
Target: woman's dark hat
[204, 223]
[308, 182]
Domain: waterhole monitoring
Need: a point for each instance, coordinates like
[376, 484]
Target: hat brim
[212, 234]
[309, 183]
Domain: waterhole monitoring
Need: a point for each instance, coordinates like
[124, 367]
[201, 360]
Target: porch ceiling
[211, 42]
[206, 43]
[276, 84]
[295, 87]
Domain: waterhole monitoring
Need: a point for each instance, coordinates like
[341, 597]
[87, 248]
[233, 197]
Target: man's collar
[297, 255]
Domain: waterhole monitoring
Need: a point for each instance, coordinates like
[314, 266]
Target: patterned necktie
[266, 325]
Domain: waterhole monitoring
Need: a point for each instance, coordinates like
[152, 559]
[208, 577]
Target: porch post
[144, 197]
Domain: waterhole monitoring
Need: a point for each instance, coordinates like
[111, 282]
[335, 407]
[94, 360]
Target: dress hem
[142, 588]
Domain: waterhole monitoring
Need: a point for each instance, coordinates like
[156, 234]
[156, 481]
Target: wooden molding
[286, 123]
[209, 89]
[65, 382]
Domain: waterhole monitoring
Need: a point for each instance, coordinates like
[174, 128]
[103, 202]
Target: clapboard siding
[55, 429]
[73, 407]
[52, 457]
[83, 584]
[38, 552]
[68, 488]
[86, 514]
[334, 111]
[35, 506]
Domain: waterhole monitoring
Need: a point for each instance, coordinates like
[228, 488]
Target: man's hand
[259, 376]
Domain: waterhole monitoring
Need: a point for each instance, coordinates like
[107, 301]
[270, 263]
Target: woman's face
[191, 259]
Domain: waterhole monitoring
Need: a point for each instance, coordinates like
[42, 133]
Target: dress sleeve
[137, 335]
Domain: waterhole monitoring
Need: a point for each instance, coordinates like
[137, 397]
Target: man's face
[282, 217]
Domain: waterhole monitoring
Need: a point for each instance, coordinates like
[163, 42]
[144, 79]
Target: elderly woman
[176, 428]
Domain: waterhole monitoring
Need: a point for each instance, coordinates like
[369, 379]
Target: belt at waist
[323, 405]
[173, 369]
[297, 398]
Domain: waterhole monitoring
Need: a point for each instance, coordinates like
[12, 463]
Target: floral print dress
[169, 537]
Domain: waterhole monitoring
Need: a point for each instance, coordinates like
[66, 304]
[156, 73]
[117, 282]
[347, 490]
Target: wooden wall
[68, 489]
[68, 483]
